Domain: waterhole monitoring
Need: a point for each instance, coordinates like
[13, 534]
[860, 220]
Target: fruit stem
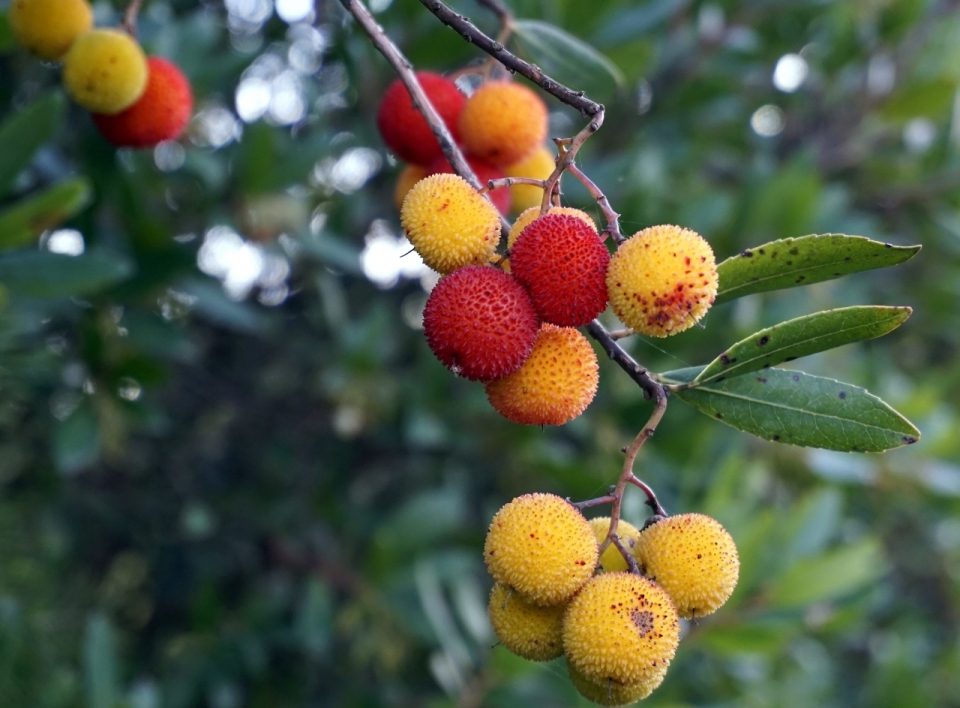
[652, 500]
[510, 181]
[593, 502]
[659, 408]
[130, 17]
[612, 217]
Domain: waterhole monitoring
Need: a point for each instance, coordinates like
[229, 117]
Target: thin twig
[627, 555]
[510, 181]
[612, 217]
[404, 70]
[609, 499]
[651, 388]
[660, 407]
[652, 500]
[565, 159]
[617, 334]
[130, 17]
[474, 35]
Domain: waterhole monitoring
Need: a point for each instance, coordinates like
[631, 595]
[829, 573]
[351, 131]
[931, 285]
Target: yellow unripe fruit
[527, 217]
[612, 559]
[555, 384]
[662, 280]
[610, 693]
[527, 630]
[105, 71]
[695, 560]
[47, 28]
[620, 627]
[409, 176]
[539, 165]
[542, 547]
[503, 123]
[449, 223]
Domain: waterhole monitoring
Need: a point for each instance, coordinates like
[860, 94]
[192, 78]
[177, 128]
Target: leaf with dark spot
[816, 258]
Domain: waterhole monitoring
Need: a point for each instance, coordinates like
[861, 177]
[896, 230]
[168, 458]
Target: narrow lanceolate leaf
[563, 55]
[23, 222]
[792, 262]
[799, 409]
[24, 132]
[803, 336]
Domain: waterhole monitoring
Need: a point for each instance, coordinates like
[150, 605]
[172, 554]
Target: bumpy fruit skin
[539, 165]
[105, 71]
[662, 280]
[609, 693]
[503, 123]
[620, 627]
[480, 323]
[612, 560]
[484, 172]
[161, 113]
[528, 216]
[555, 384]
[562, 263]
[47, 28]
[693, 558]
[402, 127]
[449, 223]
[527, 630]
[542, 547]
[409, 176]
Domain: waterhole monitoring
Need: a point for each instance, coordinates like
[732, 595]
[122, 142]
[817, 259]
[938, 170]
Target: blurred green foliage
[232, 474]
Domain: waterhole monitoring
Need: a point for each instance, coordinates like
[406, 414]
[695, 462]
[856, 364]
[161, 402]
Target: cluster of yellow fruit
[501, 127]
[135, 101]
[509, 320]
[619, 631]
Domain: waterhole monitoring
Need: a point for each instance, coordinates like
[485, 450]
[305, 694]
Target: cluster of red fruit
[135, 101]
[511, 322]
[555, 595]
[479, 124]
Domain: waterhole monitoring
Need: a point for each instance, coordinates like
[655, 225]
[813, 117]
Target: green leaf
[803, 336]
[23, 133]
[100, 663]
[803, 261]
[28, 218]
[45, 274]
[570, 60]
[830, 575]
[799, 409]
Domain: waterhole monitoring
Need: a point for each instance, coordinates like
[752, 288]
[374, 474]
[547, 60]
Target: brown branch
[651, 388]
[612, 217]
[652, 500]
[626, 475]
[474, 35]
[510, 181]
[130, 17]
[404, 70]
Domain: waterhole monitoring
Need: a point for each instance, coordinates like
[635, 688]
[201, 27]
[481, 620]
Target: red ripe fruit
[562, 263]
[480, 323]
[484, 172]
[161, 113]
[402, 127]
